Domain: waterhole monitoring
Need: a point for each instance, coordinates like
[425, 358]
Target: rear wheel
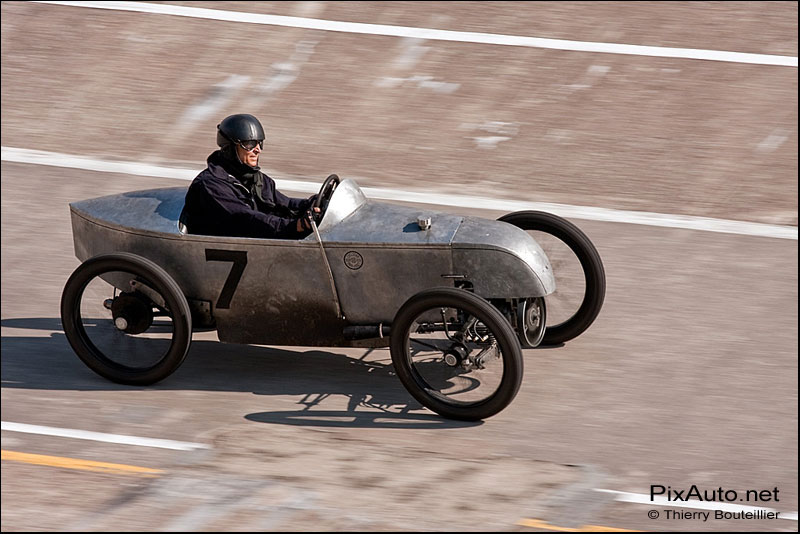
[456, 354]
[126, 319]
[579, 272]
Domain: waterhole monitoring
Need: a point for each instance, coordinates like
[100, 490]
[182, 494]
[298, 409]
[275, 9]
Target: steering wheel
[324, 197]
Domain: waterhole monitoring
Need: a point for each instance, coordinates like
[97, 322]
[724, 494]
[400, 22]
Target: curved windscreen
[346, 199]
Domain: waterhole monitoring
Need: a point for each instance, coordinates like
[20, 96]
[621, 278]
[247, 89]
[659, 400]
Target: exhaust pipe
[352, 333]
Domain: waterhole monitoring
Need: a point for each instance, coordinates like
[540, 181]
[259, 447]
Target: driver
[232, 197]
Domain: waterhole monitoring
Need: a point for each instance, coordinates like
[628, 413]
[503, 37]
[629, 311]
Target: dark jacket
[223, 200]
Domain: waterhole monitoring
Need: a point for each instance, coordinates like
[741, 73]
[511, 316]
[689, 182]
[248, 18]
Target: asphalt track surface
[689, 375]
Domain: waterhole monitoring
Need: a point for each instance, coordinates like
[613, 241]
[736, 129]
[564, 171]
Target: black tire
[594, 274]
[134, 357]
[502, 374]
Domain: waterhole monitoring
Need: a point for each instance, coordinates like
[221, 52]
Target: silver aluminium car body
[365, 261]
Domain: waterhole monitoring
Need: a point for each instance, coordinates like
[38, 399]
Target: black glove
[305, 224]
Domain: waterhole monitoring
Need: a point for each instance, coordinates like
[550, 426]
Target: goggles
[251, 145]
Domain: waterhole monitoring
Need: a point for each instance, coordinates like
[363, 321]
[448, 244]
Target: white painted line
[100, 436]
[55, 159]
[687, 222]
[437, 35]
[641, 498]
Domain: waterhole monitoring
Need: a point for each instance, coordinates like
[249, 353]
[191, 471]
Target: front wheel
[456, 354]
[126, 319]
[579, 272]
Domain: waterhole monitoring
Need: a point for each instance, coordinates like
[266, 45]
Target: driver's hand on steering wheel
[303, 224]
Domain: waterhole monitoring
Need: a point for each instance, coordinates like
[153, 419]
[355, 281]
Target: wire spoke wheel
[456, 354]
[577, 267]
[126, 319]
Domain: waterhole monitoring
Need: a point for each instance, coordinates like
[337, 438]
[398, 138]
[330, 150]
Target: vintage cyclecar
[455, 298]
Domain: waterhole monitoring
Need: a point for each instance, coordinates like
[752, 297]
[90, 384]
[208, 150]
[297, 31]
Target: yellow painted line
[537, 523]
[75, 463]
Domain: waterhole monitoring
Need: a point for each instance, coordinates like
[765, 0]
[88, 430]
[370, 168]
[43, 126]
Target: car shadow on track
[376, 398]
[354, 419]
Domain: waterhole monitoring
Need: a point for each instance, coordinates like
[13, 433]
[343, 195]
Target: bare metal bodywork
[378, 256]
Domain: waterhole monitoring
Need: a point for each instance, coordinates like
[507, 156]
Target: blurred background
[688, 377]
[695, 137]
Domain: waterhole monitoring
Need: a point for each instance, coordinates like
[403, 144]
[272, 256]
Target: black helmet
[238, 128]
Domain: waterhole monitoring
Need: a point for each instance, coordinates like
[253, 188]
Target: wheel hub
[455, 355]
[531, 322]
[132, 314]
